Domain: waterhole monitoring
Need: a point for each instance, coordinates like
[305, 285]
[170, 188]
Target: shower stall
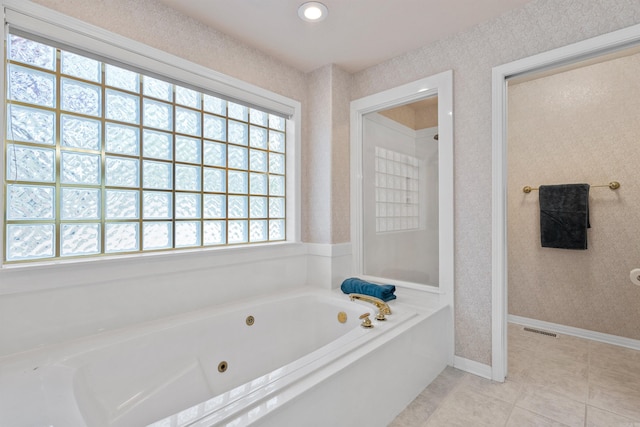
[400, 193]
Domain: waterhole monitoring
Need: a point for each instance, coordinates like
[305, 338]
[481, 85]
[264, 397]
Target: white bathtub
[295, 365]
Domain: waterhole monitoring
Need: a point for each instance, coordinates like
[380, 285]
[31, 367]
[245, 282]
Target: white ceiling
[356, 34]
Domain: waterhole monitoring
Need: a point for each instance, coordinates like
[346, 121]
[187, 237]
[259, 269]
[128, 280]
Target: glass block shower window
[397, 191]
[104, 160]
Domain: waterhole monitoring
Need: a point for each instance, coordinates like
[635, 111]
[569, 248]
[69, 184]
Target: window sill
[20, 278]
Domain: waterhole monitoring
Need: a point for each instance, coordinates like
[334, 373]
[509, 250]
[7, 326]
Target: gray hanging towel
[564, 216]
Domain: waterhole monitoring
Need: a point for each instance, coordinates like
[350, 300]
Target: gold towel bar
[614, 185]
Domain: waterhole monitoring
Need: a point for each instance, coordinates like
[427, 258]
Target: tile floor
[559, 382]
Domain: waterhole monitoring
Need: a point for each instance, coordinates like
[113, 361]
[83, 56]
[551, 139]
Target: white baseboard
[473, 367]
[576, 332]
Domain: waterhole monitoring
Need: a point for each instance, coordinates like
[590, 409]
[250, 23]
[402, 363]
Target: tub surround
[111, 378]
[40, 306]
[328, 264]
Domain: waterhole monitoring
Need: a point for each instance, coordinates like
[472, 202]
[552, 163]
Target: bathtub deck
[58, 384]
[354, 390]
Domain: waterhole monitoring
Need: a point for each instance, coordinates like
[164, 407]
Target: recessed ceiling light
[312, 11]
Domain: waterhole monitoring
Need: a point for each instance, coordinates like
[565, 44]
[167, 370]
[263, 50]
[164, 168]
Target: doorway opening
[573, 83]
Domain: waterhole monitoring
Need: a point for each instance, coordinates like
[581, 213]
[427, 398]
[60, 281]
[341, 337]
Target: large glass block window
[101, 159]
[397, 191]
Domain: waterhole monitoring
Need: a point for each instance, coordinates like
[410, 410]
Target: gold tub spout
[382, 306]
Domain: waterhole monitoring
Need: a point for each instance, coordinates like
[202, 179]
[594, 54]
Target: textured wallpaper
[155, 24]
[573, 127]
[340, 172]
[539, 26]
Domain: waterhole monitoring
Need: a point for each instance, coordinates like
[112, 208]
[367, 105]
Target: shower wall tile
[577, 126]
[537, 27]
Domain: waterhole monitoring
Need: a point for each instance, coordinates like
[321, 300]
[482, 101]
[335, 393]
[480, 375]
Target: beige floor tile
[444, 421]
[614, 378]
[548, 403]
[467, 408]
[561, 376]
[446, 381]
[616, 358]
[553, 382]
[523, 418]
[615, 398]
[529, 340]
[520, 362]
[562, 346]
[598, 418]
[507, 391]
[560, 363]
[571, 349]
[418, 411]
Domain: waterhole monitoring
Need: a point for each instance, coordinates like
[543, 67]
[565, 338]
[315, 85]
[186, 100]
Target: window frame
[71, 33]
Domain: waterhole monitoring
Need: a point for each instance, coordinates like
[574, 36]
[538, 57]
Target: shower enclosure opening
[400, 193]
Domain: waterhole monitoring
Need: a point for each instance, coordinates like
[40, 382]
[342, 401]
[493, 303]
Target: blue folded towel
[358, 286]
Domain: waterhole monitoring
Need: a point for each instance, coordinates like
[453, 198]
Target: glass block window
[101, 159]
[397, 191]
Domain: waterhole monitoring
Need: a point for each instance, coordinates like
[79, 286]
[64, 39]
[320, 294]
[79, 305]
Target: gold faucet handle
[366, 322]
[380, 304]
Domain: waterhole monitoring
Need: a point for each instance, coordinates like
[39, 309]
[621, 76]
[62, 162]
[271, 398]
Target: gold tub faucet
[383, 307]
